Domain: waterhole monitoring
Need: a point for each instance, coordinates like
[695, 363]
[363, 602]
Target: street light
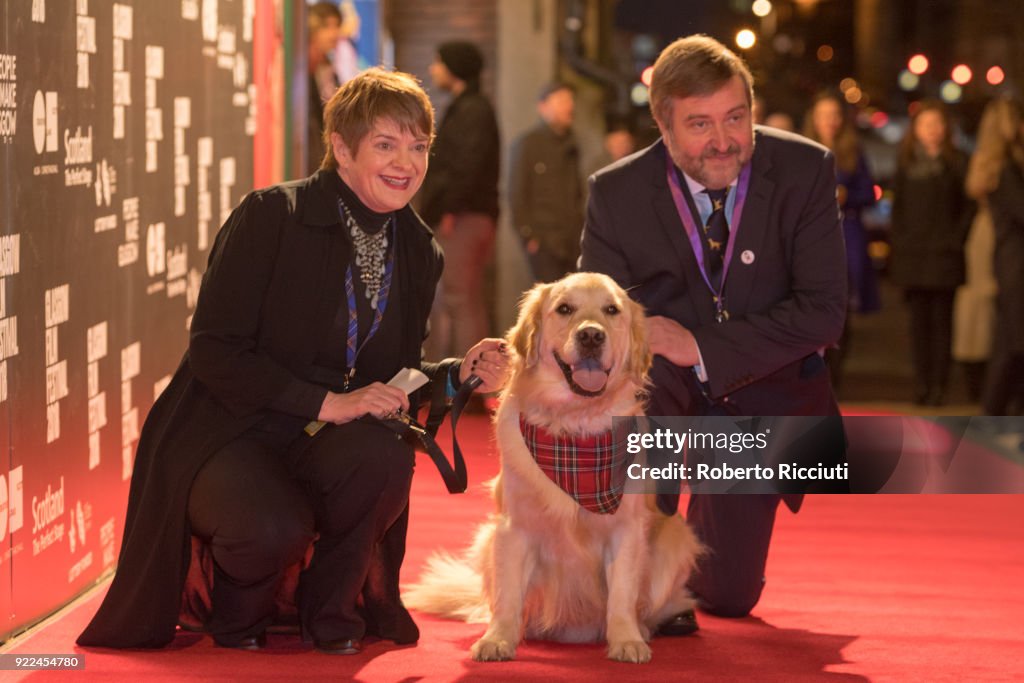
[918, 64]
[950, 92]
[908, 81]
[745, 39]
[761, 8]
[995, 75]
[962, 74]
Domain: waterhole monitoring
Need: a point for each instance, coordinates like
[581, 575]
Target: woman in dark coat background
[930, 218]
[316, 293]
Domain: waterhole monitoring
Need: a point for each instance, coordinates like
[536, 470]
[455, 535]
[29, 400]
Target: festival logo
[8, 98]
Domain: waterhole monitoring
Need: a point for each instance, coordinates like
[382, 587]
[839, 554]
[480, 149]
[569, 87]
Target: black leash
[453, 474]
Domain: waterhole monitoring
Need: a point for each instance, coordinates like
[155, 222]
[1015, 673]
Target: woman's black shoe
[682, 624]
[342, 646]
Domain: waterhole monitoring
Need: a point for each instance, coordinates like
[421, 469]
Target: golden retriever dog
[544, 566]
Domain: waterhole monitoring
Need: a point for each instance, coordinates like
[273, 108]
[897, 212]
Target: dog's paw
[635, 651]
[485, 650]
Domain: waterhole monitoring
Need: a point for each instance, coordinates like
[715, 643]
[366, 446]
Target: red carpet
[860, 588]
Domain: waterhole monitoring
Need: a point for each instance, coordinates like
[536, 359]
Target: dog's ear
[640, 357]
[525, 336]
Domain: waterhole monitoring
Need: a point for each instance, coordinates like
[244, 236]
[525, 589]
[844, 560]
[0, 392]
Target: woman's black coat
[274, 282]
[930, 220]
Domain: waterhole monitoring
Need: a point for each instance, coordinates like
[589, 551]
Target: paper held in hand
[406, 379]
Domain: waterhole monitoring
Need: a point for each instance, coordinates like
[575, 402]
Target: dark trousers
[259, 502]
[1004, 382]
[737, 530]
[931, 334]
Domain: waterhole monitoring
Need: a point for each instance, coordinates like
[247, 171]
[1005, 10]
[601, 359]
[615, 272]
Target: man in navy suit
[729, 235]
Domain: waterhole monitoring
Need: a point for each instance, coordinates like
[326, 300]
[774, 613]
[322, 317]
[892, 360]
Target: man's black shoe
[342, 646]
[250, 643]
[682, 624]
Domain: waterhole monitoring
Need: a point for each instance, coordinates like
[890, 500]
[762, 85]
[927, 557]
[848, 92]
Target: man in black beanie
[459, 199]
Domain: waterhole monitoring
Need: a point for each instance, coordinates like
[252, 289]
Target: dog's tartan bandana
[591, 469]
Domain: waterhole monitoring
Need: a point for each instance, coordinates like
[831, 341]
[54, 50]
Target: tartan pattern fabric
[591, 469]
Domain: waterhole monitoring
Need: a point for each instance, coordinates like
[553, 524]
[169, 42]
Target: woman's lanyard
[694, 233]
[352, 347]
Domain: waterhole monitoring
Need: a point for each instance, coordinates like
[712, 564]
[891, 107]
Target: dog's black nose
[590, 337]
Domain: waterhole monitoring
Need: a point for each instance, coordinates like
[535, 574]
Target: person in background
[974, 308]
[324, 21]
[780, 120]
[459, 199]
[827, 122]
[930, 218]
[545, 189]
[1004, 382]
[619, 142]
[345, 59]
[277, 428]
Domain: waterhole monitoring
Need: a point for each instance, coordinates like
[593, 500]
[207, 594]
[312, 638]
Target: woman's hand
[488, 360]
[377, 399]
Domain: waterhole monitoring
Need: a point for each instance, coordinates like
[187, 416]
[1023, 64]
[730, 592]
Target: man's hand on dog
[673, 341]
[488, 360]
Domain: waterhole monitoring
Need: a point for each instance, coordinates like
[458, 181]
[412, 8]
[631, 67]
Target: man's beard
[695, 167]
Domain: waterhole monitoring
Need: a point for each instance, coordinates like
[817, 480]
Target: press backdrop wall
[125, 140]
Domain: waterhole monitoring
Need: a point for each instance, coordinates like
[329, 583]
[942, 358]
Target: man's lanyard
[693, 232]
[352, 347]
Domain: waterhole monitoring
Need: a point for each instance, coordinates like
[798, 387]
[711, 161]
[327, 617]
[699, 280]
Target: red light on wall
[995, 75]
[878, 192]
[645, 76]
[879, 119]
[918, 64]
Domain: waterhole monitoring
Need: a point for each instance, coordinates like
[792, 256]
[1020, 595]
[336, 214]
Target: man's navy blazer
[786, 288]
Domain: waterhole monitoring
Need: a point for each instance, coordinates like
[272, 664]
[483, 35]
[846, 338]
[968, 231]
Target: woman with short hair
[269, 436]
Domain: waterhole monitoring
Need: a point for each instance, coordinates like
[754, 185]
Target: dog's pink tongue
[589, 375]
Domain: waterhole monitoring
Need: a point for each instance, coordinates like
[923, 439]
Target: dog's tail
[450, 587]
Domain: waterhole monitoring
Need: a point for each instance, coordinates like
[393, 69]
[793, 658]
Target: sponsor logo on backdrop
[96, 349]
[210, 20]
[77, 157]
[107, 542]
[106, 183]
[85, 42]
[190, 9]
[79, 520]
[45, 133]
[128, 253]
[10, 265]
[131, 362]
[123, 15]
[47, 511]
[156, 249]
[12, 501]
[154, 114]
[8, 97]
[39, 11]
[57, 310]
[177, 270]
